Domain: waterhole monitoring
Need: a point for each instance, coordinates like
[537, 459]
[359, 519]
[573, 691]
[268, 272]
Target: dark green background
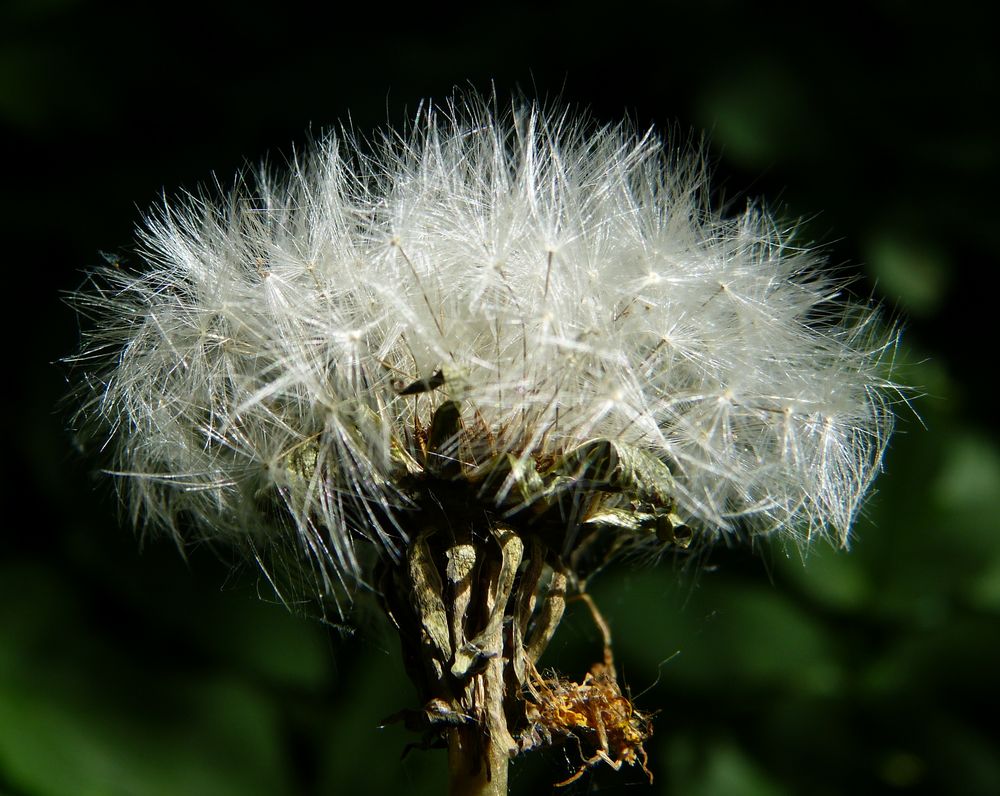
[136, 674]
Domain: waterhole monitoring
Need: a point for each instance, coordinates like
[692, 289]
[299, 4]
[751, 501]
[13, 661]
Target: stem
[466, 603]
[479, 752]
[476, 767]
[454, 601]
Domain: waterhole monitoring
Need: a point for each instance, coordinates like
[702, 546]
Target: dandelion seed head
[567, 282]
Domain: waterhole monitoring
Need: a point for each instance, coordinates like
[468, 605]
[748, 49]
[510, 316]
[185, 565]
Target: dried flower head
[502, 297]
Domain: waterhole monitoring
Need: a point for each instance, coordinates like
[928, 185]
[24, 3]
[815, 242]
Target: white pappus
[559, 281]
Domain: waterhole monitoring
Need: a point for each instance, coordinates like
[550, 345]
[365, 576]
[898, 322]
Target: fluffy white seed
[568, 283]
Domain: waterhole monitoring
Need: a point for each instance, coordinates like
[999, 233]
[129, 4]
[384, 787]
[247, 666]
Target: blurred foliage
[860, 672]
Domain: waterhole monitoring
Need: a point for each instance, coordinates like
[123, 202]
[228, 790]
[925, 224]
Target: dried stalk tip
[594, 714]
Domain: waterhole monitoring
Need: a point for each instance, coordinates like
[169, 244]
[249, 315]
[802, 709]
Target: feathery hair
[269, 374]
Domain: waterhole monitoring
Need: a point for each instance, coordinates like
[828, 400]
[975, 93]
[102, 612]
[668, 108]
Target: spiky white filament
[568, 282]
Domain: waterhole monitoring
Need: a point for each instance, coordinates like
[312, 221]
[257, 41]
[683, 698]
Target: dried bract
[593, 714]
